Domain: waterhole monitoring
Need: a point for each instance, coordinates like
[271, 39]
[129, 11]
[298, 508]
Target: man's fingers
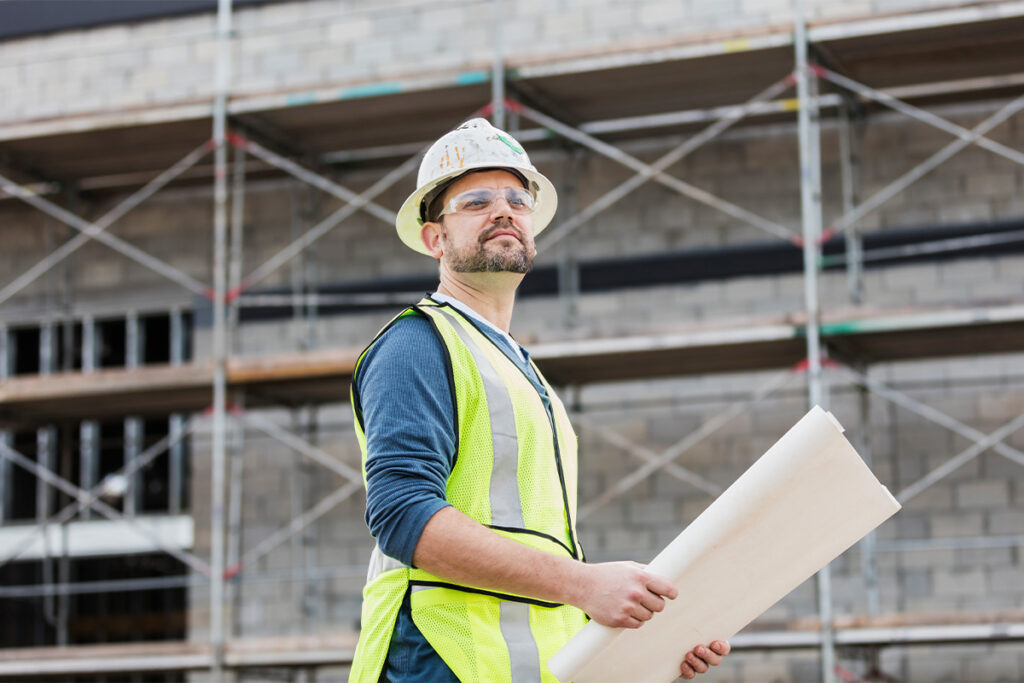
[652, 602]
[696, 663]
[640, 612]
[708, 655]
[661, 586]
[700, 659]
[630, 622]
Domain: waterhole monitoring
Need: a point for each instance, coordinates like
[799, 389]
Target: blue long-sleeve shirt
[409, 421]
[408, 414]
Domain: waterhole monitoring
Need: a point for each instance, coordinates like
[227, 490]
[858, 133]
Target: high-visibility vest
[515, 472]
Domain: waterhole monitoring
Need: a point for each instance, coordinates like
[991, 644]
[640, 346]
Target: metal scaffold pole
[498, 70]
[810, 204]
[6, 436]
[849, 169]
[220, 225]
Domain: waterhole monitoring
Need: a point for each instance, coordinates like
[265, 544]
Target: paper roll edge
[833, 419]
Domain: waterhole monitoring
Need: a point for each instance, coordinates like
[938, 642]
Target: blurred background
[762, 204]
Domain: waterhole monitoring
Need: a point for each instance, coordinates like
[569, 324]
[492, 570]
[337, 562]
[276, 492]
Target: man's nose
[501, 207]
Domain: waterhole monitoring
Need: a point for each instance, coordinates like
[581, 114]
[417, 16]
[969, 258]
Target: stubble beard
[485, 258]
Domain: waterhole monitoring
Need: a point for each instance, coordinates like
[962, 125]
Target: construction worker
[469, 457]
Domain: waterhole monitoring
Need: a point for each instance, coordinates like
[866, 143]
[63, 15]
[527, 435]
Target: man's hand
[701, 658]
[622, 594]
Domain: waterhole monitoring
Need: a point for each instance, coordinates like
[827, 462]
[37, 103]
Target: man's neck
[492, 295]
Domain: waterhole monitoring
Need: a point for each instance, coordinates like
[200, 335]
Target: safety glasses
[480, 200]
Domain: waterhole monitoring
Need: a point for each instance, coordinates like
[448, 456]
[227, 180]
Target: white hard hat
[476, 144]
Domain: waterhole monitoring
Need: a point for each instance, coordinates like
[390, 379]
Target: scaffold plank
[337, 649]
[323, 376]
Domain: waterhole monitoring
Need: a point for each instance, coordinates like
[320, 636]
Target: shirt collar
[455, 303]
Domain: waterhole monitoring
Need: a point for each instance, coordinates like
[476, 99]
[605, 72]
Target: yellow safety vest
[514, 472]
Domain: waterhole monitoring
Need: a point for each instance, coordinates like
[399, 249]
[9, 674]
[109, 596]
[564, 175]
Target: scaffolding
[814, 345]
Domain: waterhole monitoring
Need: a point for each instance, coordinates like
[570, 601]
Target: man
[468, 455]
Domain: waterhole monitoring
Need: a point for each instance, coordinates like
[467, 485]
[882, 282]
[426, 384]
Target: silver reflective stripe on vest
[514, 621]
[380, 563]
[506, 506]
[522, 650]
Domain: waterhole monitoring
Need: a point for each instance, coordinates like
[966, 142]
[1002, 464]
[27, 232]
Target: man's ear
[431, 236]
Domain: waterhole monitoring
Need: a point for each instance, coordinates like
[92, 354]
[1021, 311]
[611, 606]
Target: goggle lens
[481, 200]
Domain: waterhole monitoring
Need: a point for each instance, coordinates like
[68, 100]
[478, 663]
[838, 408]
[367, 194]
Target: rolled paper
[797, 508]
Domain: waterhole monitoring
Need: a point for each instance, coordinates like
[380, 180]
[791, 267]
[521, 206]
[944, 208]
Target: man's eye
[475, 203]
[519, 200]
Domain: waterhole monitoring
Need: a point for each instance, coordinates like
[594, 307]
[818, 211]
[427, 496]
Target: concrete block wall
[312, 582]
[292, 46]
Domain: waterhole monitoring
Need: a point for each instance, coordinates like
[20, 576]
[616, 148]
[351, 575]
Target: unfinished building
[762, 204]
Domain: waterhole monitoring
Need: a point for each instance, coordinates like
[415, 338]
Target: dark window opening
[68, 347]
[69, 450]
[110, 339]
[155, 331]
[186, 473]
[24, 346]
[187, 324]
[23, 482]
[155, 478]
[111, 453]
[63, 461]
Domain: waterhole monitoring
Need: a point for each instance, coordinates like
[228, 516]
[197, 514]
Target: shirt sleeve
[408, 419]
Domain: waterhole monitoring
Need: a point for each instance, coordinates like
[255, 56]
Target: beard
[492, 258]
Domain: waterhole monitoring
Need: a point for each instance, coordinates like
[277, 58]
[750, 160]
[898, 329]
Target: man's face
[495, 241]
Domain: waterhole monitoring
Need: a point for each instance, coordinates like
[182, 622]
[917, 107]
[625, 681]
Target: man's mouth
[503, 232]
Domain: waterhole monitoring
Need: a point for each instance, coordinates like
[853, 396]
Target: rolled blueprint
[803, 503]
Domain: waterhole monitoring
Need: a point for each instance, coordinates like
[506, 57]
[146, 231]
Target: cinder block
[966, 472]
[989, 558]
[910, 466]
[662, 13]
[628, 543]
[937, 497]
[766, 668]
[994, 664]
[1006, 522]
[607, 516]
[916, 276]
[933, 669]
[958, 524]
[1000, 407]
[982, 494]
[1007, 580]
[915, 583]
[909, 524]
[609, 20]
[172, 55]
[963, 212]
[659, 512]
[993, 184]
[349, 28]
[959, 583]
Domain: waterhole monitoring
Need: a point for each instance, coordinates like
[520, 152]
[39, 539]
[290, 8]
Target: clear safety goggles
[480, 200]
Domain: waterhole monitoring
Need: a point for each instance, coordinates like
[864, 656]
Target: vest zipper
[561, 479]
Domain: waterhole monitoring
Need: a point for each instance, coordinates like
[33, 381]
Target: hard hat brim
[409, 225]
